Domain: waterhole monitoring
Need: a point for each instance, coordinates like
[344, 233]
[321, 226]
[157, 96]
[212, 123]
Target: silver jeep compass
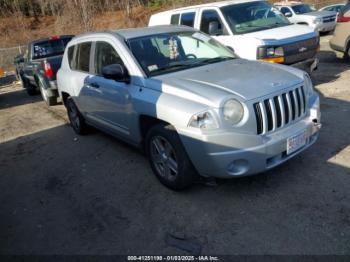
[186, 99]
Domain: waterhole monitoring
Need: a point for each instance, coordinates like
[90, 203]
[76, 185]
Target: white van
[254, 29]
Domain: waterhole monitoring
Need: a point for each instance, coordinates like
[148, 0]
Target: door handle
[93, 85]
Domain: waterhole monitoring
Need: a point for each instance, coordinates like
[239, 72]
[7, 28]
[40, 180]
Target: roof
[153, 30]
[136, 32]
[288, 3]
[215, 4]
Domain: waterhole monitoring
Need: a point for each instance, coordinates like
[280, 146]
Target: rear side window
[175, 19]
[188, 19]
[49, 48]
[70, 56]
[83, 57]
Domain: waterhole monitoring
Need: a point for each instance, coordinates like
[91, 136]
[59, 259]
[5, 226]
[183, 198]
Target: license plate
[296, 142]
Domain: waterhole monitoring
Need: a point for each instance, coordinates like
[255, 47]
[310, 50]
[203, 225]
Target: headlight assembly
[271, 54]
[233, 111]
[317, 20]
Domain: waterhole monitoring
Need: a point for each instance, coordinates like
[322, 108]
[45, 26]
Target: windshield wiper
[215, 60]
[170, 67]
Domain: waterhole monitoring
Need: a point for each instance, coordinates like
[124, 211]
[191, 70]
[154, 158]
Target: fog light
[238, 167]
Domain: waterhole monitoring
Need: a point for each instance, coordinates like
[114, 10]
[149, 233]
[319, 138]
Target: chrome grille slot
[329, 19]
[278, 111]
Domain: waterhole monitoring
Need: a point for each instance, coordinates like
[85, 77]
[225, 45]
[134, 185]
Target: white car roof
[216, 4]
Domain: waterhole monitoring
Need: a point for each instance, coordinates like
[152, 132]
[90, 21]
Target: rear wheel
[347, 53]
[168, 158]
[76, 119]
[31, 89]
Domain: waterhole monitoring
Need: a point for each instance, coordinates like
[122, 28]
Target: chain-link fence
[7, 56]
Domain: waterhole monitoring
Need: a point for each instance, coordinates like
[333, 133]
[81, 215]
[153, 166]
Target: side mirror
[19, 59]
[214, 28]
[288, 14]
[231, 48]
[115, 72]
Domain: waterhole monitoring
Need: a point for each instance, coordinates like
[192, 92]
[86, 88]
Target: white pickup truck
[303, 14]
[254, 29]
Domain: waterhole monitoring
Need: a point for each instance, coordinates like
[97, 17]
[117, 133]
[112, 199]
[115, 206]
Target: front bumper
[225, 155]
[325, 27]
[308, 65]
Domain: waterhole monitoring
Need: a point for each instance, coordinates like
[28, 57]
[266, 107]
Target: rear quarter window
[70, 56]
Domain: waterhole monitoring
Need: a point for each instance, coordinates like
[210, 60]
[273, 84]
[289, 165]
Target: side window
[285, 10]
[188, 19]
[175, 19]
[83, 57]
[105, 55]
[209, 16]
[70, 56]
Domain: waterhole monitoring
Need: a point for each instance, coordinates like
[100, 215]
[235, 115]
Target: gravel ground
[63, 194]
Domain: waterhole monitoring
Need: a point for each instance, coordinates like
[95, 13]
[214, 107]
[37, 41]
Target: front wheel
[168, 158]
[76, 119]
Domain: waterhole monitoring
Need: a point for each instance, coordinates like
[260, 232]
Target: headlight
[308, 85]
[271, 54]
[233, 111]
[317, 20]
[204, 120]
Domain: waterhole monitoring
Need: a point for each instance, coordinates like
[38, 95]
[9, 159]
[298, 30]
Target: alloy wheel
[164, 158]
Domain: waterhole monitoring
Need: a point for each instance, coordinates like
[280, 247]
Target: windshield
[170, 52]
[50, 48]
[252, 17]
[302, 9]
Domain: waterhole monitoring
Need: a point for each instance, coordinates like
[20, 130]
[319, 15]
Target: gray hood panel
[244, 79]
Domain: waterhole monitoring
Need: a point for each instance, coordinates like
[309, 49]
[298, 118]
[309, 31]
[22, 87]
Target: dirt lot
[63, 194]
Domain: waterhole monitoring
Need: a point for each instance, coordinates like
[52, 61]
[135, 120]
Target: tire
[49, 100]
[31, 89]
[76, 119]
[347, 53]
[168, 158]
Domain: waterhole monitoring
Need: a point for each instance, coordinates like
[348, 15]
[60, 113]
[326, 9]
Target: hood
[284, 34]
[321, 13]
[242, 79]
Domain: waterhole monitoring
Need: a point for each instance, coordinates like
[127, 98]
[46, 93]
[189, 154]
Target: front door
[112, 104]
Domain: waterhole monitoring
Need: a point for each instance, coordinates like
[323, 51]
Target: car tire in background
[49, 100]
[76, 119]
[168, 158]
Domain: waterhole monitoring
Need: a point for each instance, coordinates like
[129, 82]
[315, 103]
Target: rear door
[80, 72]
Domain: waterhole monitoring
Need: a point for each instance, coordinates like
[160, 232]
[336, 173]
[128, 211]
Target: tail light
[48, 70]
[343, 19]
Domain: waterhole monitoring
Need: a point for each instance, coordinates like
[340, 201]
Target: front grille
[278, 111]
[329, 19]
[301, 50]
